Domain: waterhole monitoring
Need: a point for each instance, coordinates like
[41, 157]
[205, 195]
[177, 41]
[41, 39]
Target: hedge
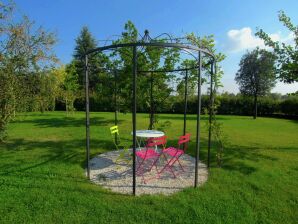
[228, 104]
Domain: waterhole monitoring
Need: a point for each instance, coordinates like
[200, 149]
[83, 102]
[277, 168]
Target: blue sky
[232, 22]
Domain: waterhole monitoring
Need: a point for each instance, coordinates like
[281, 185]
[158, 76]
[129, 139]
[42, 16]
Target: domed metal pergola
[188, 48]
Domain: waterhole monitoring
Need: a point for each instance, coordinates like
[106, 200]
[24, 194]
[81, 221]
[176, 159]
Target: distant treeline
[229, 104]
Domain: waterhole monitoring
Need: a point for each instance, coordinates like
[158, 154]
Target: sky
[232, 22]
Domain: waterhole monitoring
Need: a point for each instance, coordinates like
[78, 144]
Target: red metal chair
[149, 154]
[175, 153]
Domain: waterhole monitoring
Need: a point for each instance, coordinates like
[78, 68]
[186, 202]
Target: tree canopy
[256, 75]
[26, 53]
[287, 55]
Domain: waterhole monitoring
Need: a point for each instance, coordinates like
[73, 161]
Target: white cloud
[285, 88]
[244, 39]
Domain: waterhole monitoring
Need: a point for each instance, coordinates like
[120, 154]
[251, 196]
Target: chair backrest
[184, 139]
[114, 130]
[157, 141]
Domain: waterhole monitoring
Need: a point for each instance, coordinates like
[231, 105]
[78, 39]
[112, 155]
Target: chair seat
[174, 152]
[147, 155]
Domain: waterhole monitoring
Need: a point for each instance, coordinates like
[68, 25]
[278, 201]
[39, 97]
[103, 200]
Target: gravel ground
[118, 176]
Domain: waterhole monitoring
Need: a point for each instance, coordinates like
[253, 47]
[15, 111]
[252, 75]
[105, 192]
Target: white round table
[147, 134]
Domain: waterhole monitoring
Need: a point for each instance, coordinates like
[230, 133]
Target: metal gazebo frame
[189, 48]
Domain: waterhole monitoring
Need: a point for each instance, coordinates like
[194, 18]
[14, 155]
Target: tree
[256, 75]
[24, 52]
[287, 55]
[45, 93]
[85, 42]
[70, 87]
[149, 58]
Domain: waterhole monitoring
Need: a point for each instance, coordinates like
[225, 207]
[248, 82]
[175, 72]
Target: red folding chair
[174, 154]
[149, 156]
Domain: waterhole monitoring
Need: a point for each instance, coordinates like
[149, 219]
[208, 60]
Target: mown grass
[42, 173]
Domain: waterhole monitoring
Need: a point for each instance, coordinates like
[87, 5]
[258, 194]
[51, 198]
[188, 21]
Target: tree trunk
[151, 125]
[66, 106]
[255, 106]
[14, 106]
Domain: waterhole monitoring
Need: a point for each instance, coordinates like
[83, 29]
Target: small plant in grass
[162, 126]
[221, 139]
[218, 135]
[212, 124]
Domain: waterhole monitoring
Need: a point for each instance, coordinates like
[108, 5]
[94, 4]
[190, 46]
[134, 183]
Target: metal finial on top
[146, 37]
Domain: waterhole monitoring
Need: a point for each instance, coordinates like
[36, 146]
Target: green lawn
[42, 174]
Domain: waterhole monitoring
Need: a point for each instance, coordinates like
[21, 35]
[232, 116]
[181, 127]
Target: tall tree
[67, 87]
[70, 87]
[24, 52]
[85, 42]
[287, 55]
[256, 75]
[149, 58]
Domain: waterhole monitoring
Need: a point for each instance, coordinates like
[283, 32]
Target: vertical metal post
[185, 101]
[198, 120]
[87, 118]
[210, 113]
[115, 103]
[151, 102]
[134, 112]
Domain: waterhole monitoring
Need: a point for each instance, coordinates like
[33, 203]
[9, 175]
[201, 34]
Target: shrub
[290, 106]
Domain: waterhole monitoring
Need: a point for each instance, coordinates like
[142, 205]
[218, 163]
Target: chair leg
[176, 159]
[122, 156]
[141, 170]
[139, 166]
[157, 173]
[168, 166]
[180, 165]
[164, 167]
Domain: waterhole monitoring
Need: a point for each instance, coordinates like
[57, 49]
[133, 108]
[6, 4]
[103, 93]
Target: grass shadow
[238, 158]
[66, 122]
[61, 152]
[189, 118]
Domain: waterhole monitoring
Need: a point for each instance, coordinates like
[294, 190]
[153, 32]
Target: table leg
[138, 143]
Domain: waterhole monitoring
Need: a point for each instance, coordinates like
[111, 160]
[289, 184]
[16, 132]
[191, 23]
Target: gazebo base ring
[118, 176]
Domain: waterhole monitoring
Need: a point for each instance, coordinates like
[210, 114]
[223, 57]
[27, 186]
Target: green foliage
[66, 89]
[45, 94]
[164, 125]
[256, 75]
[225, 104]
[293, 94]
[85, 42]
[220, 141]
[25, 55]
[215, 127]
[70, 87]
[208, 42]
[267, 105]
[7, 101]
[149, 58]
[290, 105]
[287, 55]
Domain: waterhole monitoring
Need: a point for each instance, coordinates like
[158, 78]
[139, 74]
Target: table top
[149, 133]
